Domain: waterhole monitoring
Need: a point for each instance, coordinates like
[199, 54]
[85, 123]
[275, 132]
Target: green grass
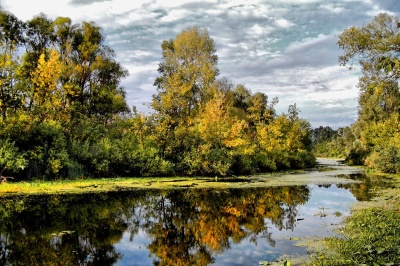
[116, 184]
[84, 185]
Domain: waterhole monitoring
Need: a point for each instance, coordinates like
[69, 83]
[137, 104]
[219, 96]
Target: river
[179, 227]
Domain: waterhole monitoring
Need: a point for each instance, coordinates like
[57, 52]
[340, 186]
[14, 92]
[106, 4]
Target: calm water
[186, 227]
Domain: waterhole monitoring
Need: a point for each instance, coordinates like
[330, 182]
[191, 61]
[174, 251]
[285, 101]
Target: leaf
[369, 247]
[287, 263]
[380, 250]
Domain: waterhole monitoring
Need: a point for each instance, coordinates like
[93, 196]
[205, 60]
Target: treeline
[328, 142]
[63, 112]
[374, 139]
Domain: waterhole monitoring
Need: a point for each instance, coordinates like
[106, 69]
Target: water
[175, 227]
[325, 207]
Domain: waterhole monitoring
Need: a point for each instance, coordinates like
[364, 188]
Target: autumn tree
[37, 40]
[67, 79]
[46, 96]
[188, 68]
[220, 137]
[89, 74]
[376, 47]
[187, 71]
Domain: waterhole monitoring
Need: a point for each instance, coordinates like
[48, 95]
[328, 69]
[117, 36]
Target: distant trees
[63, 111]
[376, 46]
[328, 142]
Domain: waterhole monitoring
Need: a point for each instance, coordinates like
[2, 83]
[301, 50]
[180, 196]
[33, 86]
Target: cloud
[283, 23]
[283, 48]
[334, 8]
[86, 2]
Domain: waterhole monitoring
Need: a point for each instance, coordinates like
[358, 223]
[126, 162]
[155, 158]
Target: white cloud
[283, 23]
[175, 15]
[257, 30]
[333, 8]
[284, 48]
[307, 43]
[300, 1]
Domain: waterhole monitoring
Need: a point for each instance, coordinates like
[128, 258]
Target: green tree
[10, 38]
[375, 46]
[97, 76]
[10, 159]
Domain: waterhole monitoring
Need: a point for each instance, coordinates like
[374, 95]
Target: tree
[89, 74]
[37, 39]
[187, 73]
[10, 37]
[188, 69]
[47, 98]
[97, 76]
[376, 46]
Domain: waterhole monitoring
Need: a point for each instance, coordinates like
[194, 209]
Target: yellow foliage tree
[48, 98]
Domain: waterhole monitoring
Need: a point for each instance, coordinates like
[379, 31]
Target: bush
[11, 160]
[357, 154]
[388, 160]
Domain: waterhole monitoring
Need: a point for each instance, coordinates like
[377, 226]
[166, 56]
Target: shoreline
[318, 176]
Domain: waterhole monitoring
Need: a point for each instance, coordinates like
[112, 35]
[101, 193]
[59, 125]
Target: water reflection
[183, 227]
[365, 191]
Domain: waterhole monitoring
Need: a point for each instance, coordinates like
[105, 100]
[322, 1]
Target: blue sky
[284, 48]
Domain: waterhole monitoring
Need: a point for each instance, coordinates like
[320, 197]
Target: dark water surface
[174, 227]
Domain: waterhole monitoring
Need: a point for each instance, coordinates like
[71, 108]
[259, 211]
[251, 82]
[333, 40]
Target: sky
[283, 48]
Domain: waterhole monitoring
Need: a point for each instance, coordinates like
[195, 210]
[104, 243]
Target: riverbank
[371, 235]
[327, 173]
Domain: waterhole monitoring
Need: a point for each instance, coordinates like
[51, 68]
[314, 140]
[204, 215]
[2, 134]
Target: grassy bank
[297, 178]
[371, 235]
[98, 185]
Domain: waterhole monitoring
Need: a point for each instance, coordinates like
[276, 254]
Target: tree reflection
[188, 226]
[185, 227]
[364, 191]
[61, 230]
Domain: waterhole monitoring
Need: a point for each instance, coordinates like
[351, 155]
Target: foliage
[333, 143]
[61, 103]
[376, 131]
[371, 237]
[11, 160]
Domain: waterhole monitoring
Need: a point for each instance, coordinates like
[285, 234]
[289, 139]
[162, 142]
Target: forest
[63, 112]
